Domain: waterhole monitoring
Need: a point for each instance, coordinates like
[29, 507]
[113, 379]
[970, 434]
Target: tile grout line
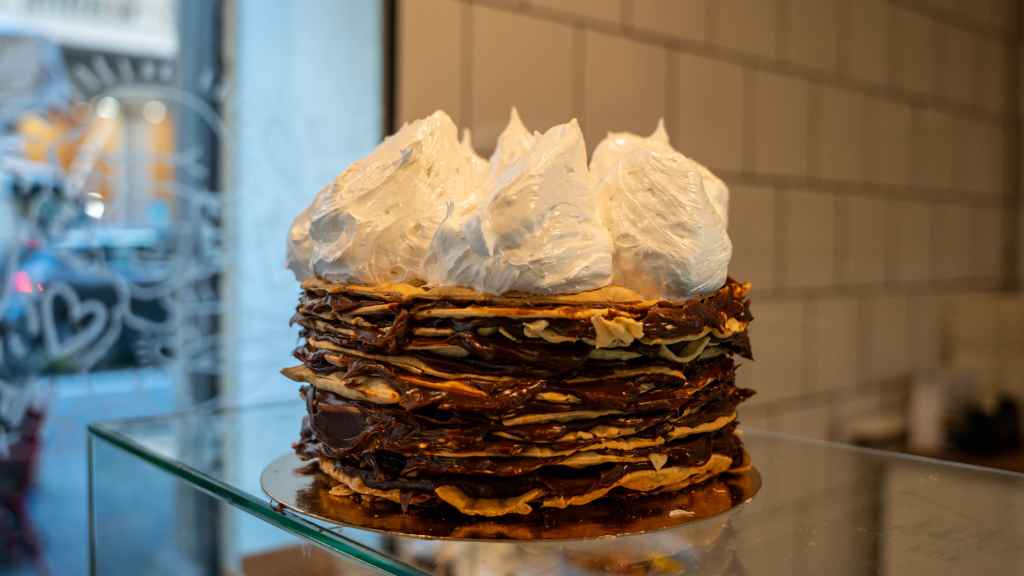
[748, 126]
[840, 235]
[940, 59]
[815, 104]
[842, 37]
[807, 350]
[782, 36]
[909, 337]
[579, 75]
[859, 335]
[782, 201]
[466, 90]
[865, 372]
[671, 96]
[955, 20]
[894, 70]
[933, 255]
[626, 13]
[892, 220]
[711, 31]
[1012, 179]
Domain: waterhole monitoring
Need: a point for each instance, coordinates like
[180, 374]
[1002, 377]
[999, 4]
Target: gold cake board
[290, 484]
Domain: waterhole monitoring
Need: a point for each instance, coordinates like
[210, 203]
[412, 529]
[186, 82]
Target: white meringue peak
[538, 230]
[670, 238]
[513, 143]
[424, 206]
[617, 144]
[373, 224]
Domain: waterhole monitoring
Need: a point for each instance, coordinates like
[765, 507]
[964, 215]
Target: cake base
[301, 488]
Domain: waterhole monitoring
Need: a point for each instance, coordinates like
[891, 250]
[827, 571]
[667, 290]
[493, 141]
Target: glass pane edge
[298, 526]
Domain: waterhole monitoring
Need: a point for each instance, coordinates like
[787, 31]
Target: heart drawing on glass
[86, 321]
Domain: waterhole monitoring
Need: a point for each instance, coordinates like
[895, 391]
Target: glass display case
[188, 485]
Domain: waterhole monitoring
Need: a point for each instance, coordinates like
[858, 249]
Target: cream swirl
[373, 224]
[537, 230]
[617, 144]
[666, 215]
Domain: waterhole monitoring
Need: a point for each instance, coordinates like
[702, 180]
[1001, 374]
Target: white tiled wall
[885, 355]
[888, 142]
[506, 72]
[866, 144]
[752, 218]
[932, 161]
[780, 335]
[709, 109]
[841, 134]
[749, 26]
[863, 245]
[780, 123]
[812, 34]
[426, 56]
[623, 84]
[834, 350]
[808, 239]
[913, 67]
[910, 242]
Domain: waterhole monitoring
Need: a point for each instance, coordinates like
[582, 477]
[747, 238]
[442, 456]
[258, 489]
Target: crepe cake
[497, 405]
[530, 332]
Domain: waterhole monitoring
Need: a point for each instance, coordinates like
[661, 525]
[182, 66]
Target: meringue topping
[373, 224]
[666, 213]
[535, 218]
[617, 144]
[538, 231]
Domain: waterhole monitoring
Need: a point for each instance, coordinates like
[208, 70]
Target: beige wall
[867, 145]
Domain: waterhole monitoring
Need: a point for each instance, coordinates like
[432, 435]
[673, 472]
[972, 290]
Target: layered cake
[525, 333]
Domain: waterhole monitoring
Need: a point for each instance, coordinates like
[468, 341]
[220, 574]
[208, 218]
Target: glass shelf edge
[256, 507]
[890, 455]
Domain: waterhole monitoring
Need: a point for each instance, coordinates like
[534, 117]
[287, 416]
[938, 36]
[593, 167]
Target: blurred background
[154, 152]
